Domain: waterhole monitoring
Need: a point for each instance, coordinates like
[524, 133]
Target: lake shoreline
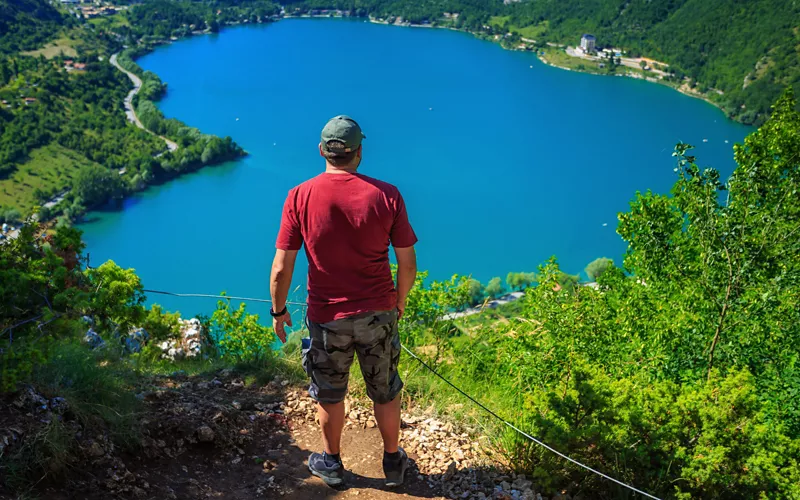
[205, 221]
[542, 58]
[482, 36]
[147, 48]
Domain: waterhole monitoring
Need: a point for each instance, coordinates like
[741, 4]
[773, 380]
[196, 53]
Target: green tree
[40, 289]
[494, 288]
[520, 281]
[12, 216]
[736, 260]
[568, 281]
[96, 185]
[241, 336]
[598, 267]
[476, 291]
[119, 297]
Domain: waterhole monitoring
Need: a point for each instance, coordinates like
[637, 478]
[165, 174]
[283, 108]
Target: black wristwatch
[277, 314]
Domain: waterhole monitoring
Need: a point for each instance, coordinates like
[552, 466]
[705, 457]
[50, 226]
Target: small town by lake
[503, 160]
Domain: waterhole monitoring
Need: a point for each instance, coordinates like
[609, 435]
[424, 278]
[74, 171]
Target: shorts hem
[390, 397]
[327, 401]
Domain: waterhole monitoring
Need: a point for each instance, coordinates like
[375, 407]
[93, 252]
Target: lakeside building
[588, 43]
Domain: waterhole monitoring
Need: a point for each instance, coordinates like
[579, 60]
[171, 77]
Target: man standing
[347, 222]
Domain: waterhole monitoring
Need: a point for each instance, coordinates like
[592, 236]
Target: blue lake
[503, 161]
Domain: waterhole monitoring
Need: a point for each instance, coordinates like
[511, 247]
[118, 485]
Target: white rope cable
[231, 297]
[490, 412]
[495, 415]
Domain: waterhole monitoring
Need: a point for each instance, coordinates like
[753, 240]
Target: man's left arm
[403, 239]
[279, 283]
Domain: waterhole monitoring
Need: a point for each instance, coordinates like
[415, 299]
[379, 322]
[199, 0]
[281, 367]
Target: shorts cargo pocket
[308, 363]
[395, 354]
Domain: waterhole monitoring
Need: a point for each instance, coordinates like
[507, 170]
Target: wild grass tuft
[98, 391]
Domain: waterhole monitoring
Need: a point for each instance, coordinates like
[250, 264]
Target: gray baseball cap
[341, 135]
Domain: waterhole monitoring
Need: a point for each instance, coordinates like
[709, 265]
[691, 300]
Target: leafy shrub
[161, 325]
[40, 287]
[709, 439]
[240, 336]
[118, 296]
[598, 267]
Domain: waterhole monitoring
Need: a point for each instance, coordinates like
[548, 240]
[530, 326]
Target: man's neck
[330, 169]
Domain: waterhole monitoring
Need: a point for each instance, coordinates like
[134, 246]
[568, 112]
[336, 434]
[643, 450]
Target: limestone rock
[95, 450]
[205, 434]
[93, 340]
[187, 344]
[135, 340]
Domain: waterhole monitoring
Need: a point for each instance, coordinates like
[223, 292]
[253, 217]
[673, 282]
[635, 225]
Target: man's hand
[401, 308]
[278, 324]
[279, 282]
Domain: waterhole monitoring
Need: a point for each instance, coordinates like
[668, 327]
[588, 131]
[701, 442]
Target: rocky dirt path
[218, 438]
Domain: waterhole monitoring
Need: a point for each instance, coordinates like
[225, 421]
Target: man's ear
[320, 150]
[358, 151]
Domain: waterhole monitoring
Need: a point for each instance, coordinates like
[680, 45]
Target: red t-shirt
[347, 222]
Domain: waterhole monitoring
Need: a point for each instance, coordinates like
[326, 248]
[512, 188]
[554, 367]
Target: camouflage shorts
[374, 336]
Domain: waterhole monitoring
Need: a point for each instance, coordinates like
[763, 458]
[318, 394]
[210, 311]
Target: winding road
[131, 113]
[129, 110]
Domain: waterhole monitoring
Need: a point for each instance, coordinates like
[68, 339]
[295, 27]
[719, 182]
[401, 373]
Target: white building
[588, 43]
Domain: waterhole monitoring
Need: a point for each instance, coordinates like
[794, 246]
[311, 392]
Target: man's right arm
[406, 274]
[290, 239]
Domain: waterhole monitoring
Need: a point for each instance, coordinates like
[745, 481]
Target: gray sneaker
[327, 468]
[395, 469]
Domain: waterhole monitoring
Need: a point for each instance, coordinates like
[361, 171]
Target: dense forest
[746, 49]
[28, 24]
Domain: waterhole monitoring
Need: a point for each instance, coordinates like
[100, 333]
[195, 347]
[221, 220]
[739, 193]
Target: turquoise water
[503, 161]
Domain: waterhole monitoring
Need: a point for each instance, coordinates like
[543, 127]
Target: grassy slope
[49, 166]
[110, 22]
[532, 31]
[55, 48]
[52, 165]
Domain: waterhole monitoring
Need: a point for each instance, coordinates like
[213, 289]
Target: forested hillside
[749, 50]
[27, 24]
[63, 128]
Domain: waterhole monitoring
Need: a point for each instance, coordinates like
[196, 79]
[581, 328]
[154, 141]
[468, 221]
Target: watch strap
[277, 314]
